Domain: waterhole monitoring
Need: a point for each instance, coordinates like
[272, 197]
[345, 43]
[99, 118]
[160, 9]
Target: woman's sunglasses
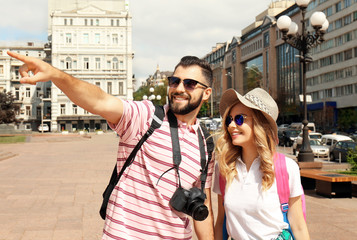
[238, 119]
[189, 84]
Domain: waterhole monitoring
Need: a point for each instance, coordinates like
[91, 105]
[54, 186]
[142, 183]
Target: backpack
[114, 179]
[282, 182]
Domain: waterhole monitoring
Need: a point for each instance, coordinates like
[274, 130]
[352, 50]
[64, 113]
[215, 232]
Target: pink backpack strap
[222, 185]
[282, 180]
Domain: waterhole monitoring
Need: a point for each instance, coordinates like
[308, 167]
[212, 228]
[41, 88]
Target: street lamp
[152, 96]
[303, 42]
[41, 104]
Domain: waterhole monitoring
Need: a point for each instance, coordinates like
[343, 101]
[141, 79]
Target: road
[51, 186]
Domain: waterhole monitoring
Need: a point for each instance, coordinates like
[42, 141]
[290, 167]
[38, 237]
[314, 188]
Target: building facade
[260, 58]
[90, 40]
[33, 101]
[332, 76]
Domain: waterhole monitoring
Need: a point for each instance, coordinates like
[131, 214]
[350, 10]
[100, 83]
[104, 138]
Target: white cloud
[163, 30]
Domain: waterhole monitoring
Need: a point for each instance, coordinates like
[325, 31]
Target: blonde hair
[265, 139]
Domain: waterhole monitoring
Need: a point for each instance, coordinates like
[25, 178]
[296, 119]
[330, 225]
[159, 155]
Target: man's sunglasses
[238, 119]
[189, 84]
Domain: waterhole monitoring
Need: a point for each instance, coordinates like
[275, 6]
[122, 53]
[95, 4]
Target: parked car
[331, 139]
[299, 126]
[340, 150]
[319, 150]
[43, 127]
[287, 137]
[298, 142]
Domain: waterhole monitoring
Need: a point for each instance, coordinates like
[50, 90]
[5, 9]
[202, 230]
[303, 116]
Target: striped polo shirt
[139, 205]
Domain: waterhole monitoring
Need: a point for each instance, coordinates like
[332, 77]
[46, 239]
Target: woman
[246, 148]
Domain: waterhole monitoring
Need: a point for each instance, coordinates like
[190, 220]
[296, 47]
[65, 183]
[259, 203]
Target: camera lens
[199, 212]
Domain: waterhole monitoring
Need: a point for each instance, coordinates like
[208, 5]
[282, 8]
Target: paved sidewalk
[51, 190]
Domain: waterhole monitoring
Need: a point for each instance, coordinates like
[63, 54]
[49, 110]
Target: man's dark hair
[188, 61]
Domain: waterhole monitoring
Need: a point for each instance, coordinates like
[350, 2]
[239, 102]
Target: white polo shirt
[253, 213]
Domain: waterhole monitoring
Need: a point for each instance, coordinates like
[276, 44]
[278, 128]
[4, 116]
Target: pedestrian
[246, 148]
[139, 206]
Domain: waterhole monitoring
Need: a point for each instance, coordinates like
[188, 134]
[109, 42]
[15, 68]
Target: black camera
[190, 202]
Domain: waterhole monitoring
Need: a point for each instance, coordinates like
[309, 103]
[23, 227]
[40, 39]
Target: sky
[163, 31]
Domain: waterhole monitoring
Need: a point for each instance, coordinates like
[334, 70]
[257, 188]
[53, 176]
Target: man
[139, 205]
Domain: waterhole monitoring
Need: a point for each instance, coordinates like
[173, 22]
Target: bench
[327, 183]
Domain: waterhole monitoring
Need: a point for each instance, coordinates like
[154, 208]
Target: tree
[7, 108]
[158, 90]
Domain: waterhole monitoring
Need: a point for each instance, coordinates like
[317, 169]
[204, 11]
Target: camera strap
[176, 152]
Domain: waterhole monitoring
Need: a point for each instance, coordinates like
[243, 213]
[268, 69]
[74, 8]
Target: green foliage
[12, 139]
[7, 108]
[158, 90]
[352, 159]
[347, 118]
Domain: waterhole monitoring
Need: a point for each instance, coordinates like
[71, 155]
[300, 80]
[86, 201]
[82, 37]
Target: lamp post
[41, 104]
[303, 42]
[152, 96]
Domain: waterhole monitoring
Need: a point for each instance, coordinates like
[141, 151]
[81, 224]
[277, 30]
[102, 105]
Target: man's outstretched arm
[83, 94]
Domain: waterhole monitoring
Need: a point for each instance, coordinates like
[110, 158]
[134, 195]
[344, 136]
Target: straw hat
[257, 98]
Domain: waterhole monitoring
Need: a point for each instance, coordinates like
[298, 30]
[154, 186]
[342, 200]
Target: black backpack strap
[210, 148]
[114, 179]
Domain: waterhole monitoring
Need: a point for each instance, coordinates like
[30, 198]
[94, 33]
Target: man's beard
[190, 106]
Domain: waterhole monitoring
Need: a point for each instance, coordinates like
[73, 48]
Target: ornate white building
[90, 40]
[29, 98]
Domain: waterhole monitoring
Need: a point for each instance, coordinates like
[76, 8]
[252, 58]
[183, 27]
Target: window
[65, 21]
[28, 93]
[326, 61]
[266, 39]
[348, 54]
[112, 22]
[74, 64]
[97, 63]
[348, 89]
[28, 111]
[328, 11]
[91, 22]
[339, 41]
[328, 93]
[347, 20]
[121, 65]
[118, 22]
[71, 21]
[97, 38]
[63, 109]
[109, 88]
[121, 88]
[85, 22]
[85, 38]
[74, 109]
[68, 37]
[338, 23]
[355, 16]
[97, 22]
[348, 37]
[115, 64]
[338, 6]
[97, 84]
[86, 63]
[347, 3]
[68, 63]
[17, 93]
[339, 57]
[1, 69]
[348, 72]
[109, 64]
[339, 74]
[115, 38]
[38, 111]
